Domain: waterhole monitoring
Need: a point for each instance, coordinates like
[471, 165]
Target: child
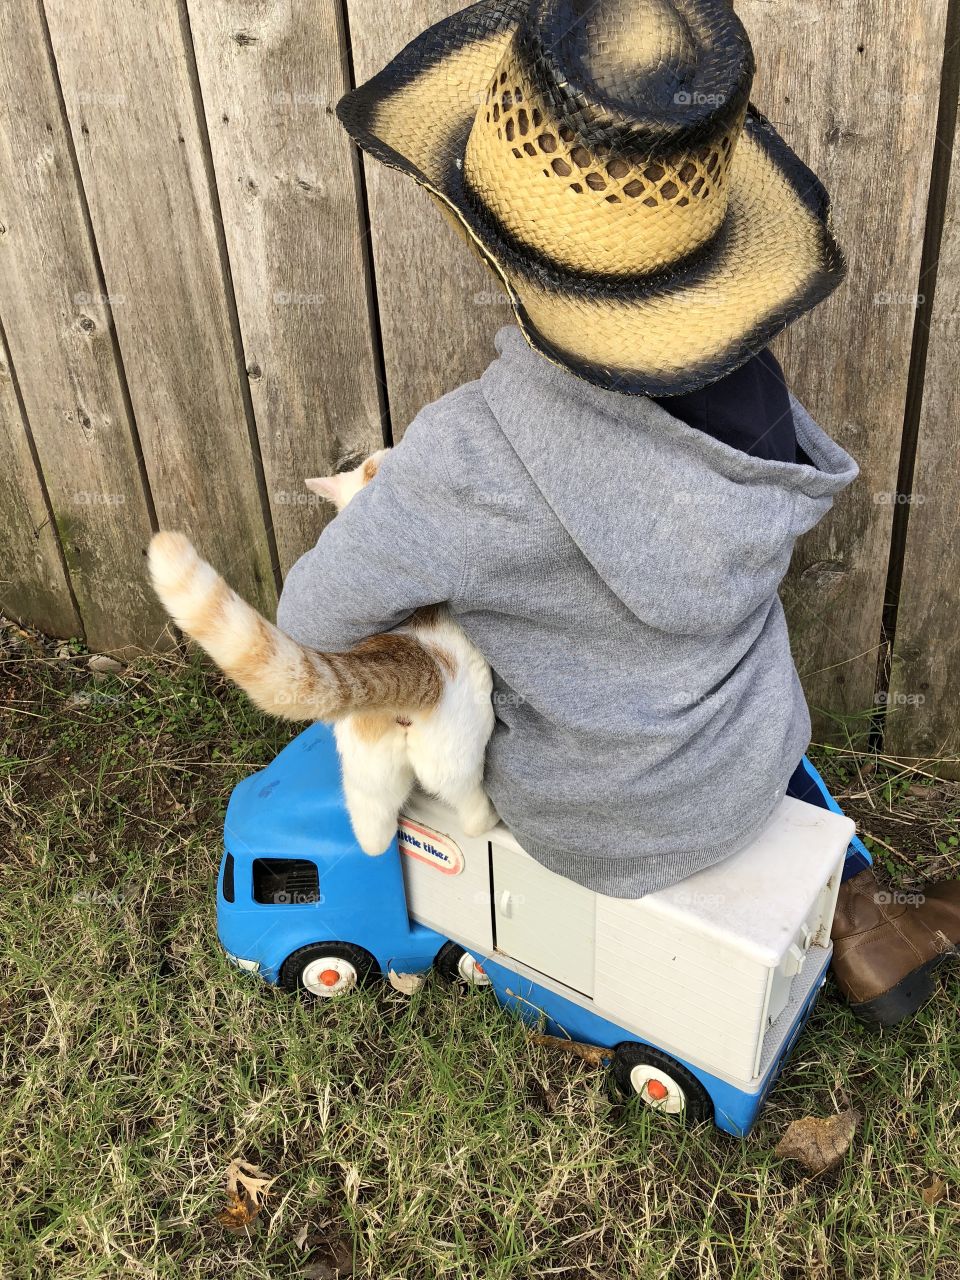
[610, 509]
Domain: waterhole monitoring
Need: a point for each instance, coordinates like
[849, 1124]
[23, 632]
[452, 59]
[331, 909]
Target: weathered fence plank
[126, 76]
[58, 331]
[853, 86]
[33, 583]
[271, 74]
[923, 712]
[439, 306]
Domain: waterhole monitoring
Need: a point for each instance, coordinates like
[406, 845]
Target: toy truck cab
[698, 991]
[293, 877]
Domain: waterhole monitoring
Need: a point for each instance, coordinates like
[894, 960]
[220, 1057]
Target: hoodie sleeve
[398, 545]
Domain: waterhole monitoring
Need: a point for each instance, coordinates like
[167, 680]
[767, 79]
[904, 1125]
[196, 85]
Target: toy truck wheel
[662, 1083]
[327, 969]
[454, 964]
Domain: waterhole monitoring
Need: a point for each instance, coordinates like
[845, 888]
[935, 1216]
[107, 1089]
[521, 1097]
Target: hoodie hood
[692, 535]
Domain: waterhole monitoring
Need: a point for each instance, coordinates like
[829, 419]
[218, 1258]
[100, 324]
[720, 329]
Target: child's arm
[398, 545]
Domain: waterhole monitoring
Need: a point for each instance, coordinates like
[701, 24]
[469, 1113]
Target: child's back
[619, 570]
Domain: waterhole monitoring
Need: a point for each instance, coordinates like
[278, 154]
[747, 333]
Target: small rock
[335, 1262]
[320, 1271]
[104, 665]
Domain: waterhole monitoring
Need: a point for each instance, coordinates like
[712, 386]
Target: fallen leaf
[407, 983]
[933, 1192]
[237, 1216]
[819, 1143]
[586, 1052]
[245, 1193]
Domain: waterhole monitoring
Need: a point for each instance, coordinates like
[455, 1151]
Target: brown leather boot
[886, 945]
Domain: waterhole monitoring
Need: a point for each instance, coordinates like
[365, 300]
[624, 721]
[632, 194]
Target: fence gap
[369, 267]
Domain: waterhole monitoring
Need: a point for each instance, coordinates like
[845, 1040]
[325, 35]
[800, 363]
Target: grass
[409, 1137]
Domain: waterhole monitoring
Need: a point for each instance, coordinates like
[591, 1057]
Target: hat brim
[773, 258]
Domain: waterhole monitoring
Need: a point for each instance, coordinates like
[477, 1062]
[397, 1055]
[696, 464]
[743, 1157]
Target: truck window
[228, 891]
[285, 881]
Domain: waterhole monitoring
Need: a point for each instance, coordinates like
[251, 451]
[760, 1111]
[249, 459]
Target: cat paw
[372, 840]
[478, 817]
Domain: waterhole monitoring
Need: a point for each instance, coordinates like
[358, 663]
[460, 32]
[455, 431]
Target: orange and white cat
[409, 705]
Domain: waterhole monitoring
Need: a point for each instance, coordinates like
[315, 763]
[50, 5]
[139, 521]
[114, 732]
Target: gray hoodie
[619, 570]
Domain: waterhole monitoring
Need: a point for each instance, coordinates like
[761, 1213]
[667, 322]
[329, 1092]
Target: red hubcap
[657, 1090]
[329, 977]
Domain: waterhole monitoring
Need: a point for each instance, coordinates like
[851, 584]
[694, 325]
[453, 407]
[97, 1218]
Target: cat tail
[392, 672]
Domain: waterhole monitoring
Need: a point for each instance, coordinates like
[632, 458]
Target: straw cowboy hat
[652, 229]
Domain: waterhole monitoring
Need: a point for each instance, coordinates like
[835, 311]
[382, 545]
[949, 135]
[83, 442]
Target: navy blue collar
[748, 409]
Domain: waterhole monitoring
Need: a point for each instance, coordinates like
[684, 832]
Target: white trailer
[716, 971]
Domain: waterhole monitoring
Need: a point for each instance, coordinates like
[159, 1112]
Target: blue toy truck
[698, 991]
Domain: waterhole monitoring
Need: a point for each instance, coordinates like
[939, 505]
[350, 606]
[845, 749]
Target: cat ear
[328, 487]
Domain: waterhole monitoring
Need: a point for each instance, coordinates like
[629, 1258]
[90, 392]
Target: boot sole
[903, 1000]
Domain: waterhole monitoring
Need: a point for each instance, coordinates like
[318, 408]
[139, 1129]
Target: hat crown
[601, 111]
[652, 74]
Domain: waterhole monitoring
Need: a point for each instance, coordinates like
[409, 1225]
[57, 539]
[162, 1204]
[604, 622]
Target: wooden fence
[206, 295]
